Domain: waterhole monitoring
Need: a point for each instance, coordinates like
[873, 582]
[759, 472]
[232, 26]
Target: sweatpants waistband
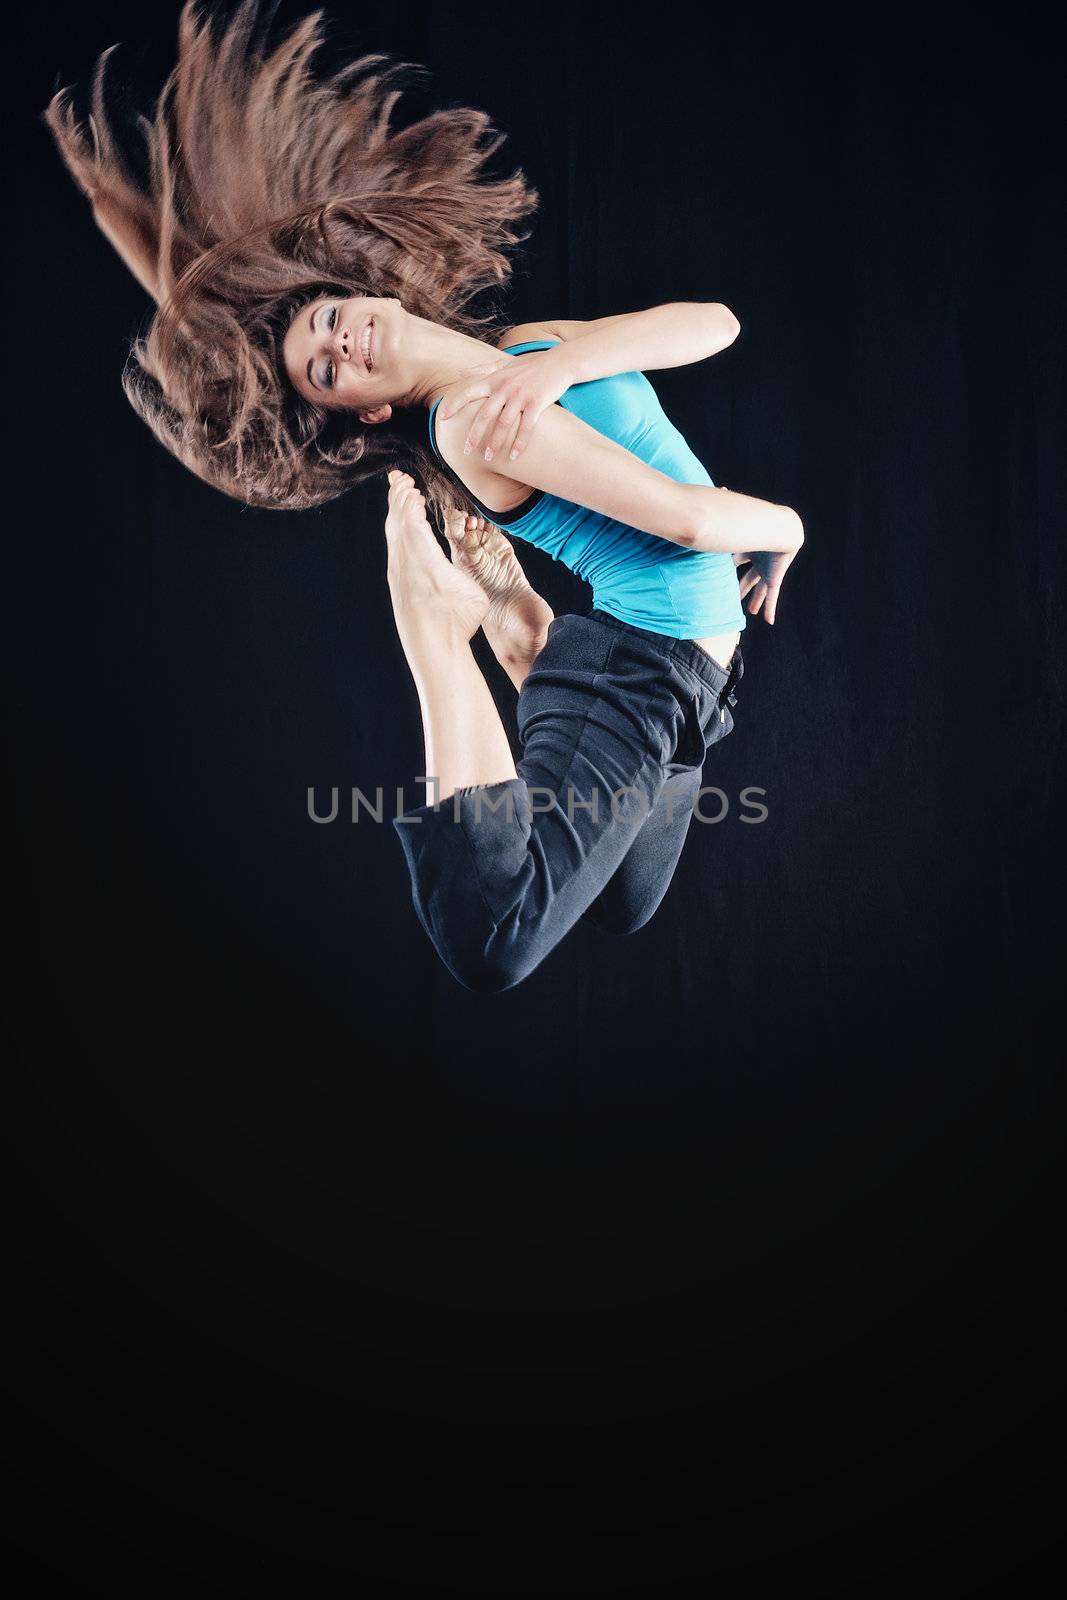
[720, 680]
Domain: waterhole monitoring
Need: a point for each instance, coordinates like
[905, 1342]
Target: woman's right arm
[737, 522]
[567, 457]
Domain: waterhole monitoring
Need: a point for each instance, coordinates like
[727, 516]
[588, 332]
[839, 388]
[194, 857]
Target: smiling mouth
[365, 346]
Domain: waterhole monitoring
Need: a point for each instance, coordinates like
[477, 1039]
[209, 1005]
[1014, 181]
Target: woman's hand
[515, 394]
[763, 579]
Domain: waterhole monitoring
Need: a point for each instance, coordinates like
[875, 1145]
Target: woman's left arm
[569, 458]
[516, 393]
[674, 335]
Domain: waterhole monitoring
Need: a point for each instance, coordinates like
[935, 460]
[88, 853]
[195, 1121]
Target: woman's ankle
[517, 644]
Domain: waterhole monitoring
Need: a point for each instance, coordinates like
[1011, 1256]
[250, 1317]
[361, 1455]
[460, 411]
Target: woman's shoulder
[526, 333]
[497, 494]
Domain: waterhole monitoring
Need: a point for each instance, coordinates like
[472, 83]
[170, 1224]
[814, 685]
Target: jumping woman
[313, 270]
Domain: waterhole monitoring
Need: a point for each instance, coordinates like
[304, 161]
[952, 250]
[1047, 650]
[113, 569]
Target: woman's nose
[344, 340]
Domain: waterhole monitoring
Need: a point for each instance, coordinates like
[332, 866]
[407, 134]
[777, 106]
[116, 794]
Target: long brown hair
[266, 189]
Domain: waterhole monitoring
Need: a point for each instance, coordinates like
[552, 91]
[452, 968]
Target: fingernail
[467, 448]
[514, 455]
[393, 474]
[489, 455]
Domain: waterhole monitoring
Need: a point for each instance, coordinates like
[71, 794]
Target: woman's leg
[633, 894]
[516, 624]
[506, 861]
[501, 870]
[438, 609]
[636, 889]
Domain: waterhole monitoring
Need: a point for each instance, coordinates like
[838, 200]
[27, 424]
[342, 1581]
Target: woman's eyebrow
[311, 324]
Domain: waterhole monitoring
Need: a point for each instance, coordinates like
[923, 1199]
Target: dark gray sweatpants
[614, 725]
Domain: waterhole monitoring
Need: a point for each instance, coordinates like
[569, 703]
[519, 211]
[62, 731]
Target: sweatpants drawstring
[728, 695]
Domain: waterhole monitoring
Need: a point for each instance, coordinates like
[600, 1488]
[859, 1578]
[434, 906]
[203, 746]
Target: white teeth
[365, 345]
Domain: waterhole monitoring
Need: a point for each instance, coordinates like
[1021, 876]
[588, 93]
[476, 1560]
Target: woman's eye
[333, 317]
[329, 374]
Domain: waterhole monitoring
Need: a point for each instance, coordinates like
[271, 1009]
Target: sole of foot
[517, 613]
[423, 583]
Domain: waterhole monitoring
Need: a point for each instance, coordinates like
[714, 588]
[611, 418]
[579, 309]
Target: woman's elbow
[796, 527]
[691, 525]
[727, 326]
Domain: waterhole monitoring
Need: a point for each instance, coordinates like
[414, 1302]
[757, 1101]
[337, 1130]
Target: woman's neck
[450, 356]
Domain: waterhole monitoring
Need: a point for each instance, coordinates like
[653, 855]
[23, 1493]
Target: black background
[726, 1249]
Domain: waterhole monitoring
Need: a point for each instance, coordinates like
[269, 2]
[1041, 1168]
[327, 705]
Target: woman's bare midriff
[720, 646]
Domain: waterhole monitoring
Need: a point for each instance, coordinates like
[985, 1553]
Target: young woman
[312, 271]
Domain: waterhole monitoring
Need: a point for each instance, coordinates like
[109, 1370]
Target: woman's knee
[620, 916]
[489, 973]
[621, 923]
[492, 966]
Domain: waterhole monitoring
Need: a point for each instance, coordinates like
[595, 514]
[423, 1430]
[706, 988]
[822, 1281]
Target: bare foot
[517, 620]
[429, 592]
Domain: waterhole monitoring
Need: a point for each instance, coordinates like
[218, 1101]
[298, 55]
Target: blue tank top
[635, 576]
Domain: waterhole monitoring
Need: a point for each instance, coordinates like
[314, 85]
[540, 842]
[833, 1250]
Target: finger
[482, 423]
[501, 427]
[470, 391]
[748, 581]
[473, 440]
[475, 387]
[510, 447]
[527, 422]
[456, 402]
[504, 431]
[759, 594]
[770, 610]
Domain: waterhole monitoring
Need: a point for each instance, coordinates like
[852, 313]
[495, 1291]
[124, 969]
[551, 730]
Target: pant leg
[500, 872]
[636, 889]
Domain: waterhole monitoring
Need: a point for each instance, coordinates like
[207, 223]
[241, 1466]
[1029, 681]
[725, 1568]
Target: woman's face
[325, 353]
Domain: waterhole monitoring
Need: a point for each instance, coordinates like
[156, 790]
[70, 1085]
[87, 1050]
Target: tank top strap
[537, 494]
[528, 344]
[497, 518]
